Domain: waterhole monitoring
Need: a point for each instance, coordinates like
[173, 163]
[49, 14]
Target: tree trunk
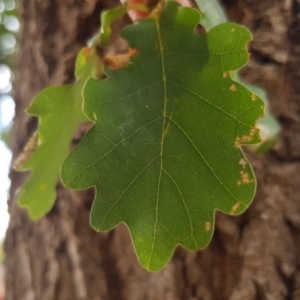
[253, 256]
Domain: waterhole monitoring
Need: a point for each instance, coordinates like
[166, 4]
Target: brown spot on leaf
[245, 139]
[115, 62]
[207, 226]
[234, 208]
[243, 162]
[245, 178]
[87, 52]
[233, 88]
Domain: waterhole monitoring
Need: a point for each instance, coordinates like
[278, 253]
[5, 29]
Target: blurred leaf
[59, 110]
[107, 18]
[5, 135]
[212, 13]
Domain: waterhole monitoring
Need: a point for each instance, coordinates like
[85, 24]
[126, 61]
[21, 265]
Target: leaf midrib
[164, 80]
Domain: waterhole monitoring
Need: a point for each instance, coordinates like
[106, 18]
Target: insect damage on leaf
[251, 138]
[115, 62]
[164, 152]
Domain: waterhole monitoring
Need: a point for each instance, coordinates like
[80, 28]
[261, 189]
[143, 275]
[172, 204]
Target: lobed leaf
[59, 111]
[212, 14]
[164, 152]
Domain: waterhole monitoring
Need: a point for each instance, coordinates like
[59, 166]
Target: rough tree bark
[253, 256]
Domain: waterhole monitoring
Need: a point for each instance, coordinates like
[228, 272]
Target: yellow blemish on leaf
[253, 131]
[115, 62]
[245, 139]
[232, 29]
[95, 116]
[246, 178]
[39, 140]
[42, 187]
[207, 226]
[233, 87]
[234, 208]
[225, 74]
[243, 162]
[253, 97]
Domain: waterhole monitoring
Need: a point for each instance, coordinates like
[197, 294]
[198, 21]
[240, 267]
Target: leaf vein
[203, 158]
[185, 205]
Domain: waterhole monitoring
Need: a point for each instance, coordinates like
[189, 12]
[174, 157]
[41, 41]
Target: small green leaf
[81, 62]
[60, 113]
[107, 18]
[164, 152]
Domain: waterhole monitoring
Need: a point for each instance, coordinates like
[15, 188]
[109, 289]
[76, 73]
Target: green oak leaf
[107, 18]
[164, 152]
[59, 111]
